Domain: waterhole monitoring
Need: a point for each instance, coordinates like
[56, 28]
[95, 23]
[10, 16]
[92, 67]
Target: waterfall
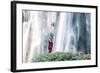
[66, 37]
[70, 35]
[26, 35]
[35, 35]
[26, 40]
[60, 32]
[71, 32]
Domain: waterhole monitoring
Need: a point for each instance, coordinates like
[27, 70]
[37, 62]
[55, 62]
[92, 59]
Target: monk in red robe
[50, 45]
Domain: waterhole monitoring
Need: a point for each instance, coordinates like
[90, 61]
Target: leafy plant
[60, 56]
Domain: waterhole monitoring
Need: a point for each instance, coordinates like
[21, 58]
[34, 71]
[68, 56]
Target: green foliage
[59, 56]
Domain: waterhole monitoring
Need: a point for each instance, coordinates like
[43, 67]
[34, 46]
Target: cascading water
[66, 37]
[70, 36]
[71, 33]
[60, 32]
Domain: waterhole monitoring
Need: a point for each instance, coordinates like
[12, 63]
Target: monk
[50, 45]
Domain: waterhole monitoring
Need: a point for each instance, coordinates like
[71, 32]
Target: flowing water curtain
[51, 23]
[67, 29]
[73, 32]
[44, 31]
[36, 35]
[60, 32]
[33, 37]
[65, 33]
[26, 34]
[88, 22]
[81, 24]
[83, 41]
[70, 35]
[47, 27]
[76, 29]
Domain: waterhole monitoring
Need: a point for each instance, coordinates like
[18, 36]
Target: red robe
[50, 45]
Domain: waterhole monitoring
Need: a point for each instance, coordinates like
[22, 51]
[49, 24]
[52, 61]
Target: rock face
[70, 32]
